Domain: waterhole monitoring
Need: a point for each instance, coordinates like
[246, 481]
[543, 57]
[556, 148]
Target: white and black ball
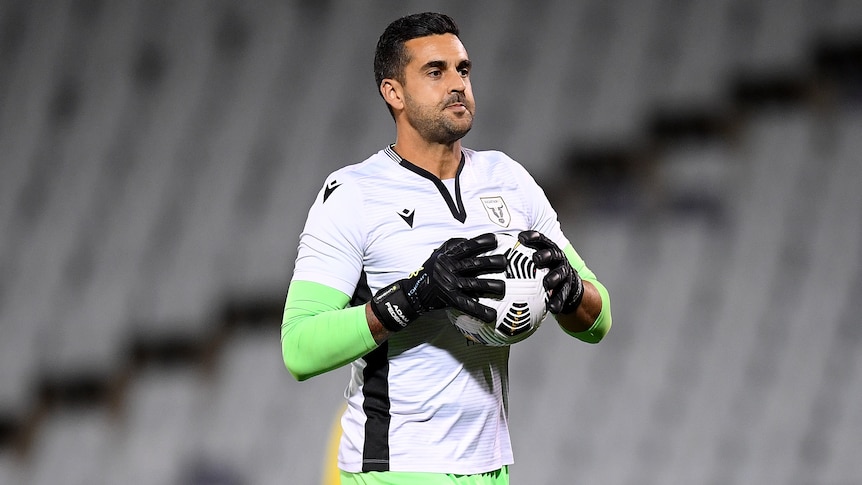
[521, 310]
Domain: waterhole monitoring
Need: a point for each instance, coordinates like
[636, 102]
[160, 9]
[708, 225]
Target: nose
[457, 83]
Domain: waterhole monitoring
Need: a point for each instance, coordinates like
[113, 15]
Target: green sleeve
[603, 323]
[318, 333]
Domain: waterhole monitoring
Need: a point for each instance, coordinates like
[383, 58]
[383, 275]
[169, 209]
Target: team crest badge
[497, 210]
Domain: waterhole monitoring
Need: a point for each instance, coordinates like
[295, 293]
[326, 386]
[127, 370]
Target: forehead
[445, 47]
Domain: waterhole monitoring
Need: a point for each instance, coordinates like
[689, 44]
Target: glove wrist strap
[393, 308]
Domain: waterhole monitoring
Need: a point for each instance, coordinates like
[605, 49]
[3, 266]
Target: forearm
[592, 319]
[318, 334]
[586, 314]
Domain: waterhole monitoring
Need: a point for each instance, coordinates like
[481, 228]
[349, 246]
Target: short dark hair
[390, 57]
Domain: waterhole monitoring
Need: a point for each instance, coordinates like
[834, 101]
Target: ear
[393, 93]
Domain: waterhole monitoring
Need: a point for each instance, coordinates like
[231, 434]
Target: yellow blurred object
[330, 466]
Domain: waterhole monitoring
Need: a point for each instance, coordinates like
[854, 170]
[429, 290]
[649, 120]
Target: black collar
[455, 206]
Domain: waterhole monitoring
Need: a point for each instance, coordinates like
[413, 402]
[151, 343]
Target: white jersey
[426, 400]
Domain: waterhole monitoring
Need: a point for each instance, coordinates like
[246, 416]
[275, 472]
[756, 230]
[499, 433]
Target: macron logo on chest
[407, 216]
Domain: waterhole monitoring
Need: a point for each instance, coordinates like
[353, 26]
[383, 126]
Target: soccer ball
[521, 310]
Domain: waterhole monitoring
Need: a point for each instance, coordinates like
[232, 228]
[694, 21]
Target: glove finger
[555, 278]
[558, 297]
[535, 240]
[481, 265]
[548, 258]
[475, 309]
[451, 244]
[472, 247]
[482, 287]
[555, 304]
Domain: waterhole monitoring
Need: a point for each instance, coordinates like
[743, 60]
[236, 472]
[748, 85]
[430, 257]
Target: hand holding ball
[521, 310]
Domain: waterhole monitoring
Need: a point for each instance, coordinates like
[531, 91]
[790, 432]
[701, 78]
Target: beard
[436, 125]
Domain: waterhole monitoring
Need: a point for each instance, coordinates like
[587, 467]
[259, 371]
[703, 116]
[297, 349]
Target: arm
[592, 320]
[582, 306]
[319, 334]
[579, 302]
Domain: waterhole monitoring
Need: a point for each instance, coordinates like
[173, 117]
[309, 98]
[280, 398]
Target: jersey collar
[455, 206]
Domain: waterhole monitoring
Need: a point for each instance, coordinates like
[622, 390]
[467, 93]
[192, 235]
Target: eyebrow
[439, 64]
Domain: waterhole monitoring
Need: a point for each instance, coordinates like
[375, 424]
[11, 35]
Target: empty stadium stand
[158, 158]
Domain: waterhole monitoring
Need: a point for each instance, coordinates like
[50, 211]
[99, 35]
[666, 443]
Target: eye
[464, 71]
[435, 73]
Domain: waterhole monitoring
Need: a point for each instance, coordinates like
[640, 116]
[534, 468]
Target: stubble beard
[437, 126]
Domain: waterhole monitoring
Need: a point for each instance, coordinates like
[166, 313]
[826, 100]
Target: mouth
[458, 107]
[456, 102]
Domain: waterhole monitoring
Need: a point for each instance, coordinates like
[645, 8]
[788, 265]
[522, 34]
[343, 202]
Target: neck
[441, 160]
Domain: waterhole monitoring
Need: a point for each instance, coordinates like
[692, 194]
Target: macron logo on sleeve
[330, 188]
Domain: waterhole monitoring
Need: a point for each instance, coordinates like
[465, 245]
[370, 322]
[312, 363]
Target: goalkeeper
[390, 242]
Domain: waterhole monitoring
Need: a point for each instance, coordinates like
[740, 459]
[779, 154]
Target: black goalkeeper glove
[564, 283]
[446, 279]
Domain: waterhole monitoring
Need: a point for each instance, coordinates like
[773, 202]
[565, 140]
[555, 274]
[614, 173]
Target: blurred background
[158, 158]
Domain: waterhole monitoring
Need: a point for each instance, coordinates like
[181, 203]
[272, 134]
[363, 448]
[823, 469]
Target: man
[409, 226]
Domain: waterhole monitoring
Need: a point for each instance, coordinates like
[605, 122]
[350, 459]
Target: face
[437, 97]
